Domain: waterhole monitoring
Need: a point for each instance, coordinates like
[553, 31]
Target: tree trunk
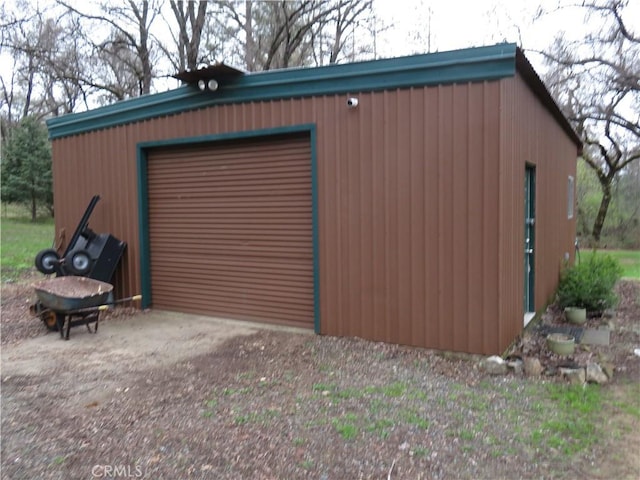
[33, 207]
[248, 31]
[605, 183]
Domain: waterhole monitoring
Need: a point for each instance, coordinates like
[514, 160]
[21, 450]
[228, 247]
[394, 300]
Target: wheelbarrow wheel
[50, 320]
[79, 263]
[47, 261]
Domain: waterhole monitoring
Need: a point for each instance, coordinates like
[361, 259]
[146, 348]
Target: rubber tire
[50, 320]
[47, 261]
[79, 263]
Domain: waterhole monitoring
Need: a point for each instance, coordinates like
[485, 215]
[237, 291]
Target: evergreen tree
[26, 167]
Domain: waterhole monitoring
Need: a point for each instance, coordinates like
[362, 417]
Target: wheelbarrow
[71, 301]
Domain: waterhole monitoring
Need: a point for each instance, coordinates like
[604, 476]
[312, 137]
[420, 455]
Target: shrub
[589, 284]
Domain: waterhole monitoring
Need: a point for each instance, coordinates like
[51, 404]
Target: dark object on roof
[218, 71]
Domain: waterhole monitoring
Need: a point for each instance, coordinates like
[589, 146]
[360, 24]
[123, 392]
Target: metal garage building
[437, 211]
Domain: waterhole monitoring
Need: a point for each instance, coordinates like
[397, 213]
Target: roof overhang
[537, 86]
[457, 66]
[219, 72]
[234, 86]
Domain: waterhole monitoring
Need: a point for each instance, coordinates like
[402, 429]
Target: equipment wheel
[79, 263]
[47, 261]
[50, 320]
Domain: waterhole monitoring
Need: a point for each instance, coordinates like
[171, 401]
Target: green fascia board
[457, 66]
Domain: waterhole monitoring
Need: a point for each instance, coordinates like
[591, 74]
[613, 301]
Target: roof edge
[536, 84]
[456, 66]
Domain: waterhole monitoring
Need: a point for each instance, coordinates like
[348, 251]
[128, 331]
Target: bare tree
[293, 33]
[597, 81]
[348, 19]
[46, 60]
[190, 26]
[127, 48]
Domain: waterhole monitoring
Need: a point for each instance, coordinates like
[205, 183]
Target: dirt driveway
[165, 396]
[146, 340]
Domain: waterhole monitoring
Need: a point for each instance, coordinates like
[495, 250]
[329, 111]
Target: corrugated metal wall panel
[419, 204]
[230, 229]
[530, 135]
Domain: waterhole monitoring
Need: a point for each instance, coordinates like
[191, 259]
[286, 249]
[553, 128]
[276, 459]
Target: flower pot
[576, 315]
[561, 343]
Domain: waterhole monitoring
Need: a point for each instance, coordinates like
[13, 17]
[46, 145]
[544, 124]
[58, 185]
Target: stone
[595, 373]
[494, 365]
[516, 365]
[576, 376]
[608, 369]
[532, 367]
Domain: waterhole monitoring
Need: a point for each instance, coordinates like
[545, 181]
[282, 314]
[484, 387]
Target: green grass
[346, 426]
[572, 426]
[21, 240]
[629, 260]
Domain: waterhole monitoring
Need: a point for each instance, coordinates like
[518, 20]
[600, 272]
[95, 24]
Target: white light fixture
[210, 84]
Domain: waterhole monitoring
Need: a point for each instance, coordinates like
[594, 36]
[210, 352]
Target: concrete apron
[142, 340]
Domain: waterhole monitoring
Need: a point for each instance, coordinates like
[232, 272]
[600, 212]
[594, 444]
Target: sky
[466, 23]
[418, 26]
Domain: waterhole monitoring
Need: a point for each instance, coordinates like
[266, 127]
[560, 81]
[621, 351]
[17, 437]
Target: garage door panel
[286, 266]
[276, 287]
[248, 299]
[230, 229]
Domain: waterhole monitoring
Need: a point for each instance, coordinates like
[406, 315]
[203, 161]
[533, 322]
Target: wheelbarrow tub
[68, 294]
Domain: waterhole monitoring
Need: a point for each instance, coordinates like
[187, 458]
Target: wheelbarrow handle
[129, 299]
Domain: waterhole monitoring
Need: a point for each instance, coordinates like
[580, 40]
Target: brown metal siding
[230, 229]
[419, 204]
[530, 135]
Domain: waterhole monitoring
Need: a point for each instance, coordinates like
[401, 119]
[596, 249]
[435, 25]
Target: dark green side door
[529, 237]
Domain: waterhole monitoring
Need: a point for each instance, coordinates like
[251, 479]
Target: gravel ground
[277, 404]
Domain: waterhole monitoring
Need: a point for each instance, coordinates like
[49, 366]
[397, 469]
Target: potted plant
[587, 287]
[575, 315]
[561, 343]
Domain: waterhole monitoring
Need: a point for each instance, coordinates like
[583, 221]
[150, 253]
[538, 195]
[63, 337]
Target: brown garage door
[230, 229]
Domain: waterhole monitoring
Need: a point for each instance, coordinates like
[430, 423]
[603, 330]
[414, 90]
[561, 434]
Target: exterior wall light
[207, 85]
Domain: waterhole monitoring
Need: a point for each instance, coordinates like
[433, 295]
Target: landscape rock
[608, 369]
[494, 365]
[576, 376]
[516, 365]
[595, 374]
[532, 367]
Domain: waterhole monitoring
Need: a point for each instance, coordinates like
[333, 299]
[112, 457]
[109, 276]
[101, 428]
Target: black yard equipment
[88, 254]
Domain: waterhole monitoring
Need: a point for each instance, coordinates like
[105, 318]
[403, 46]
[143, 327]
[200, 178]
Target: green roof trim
[457, 66]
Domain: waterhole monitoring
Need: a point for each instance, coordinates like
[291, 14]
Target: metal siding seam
[143, 225]
[314, 222]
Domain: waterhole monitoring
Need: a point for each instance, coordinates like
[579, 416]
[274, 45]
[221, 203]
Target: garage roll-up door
[230, 229]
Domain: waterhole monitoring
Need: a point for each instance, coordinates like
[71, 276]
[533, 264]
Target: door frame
[142, 149]
[529, 238]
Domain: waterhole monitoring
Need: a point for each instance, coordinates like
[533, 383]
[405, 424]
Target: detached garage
[423, 200]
